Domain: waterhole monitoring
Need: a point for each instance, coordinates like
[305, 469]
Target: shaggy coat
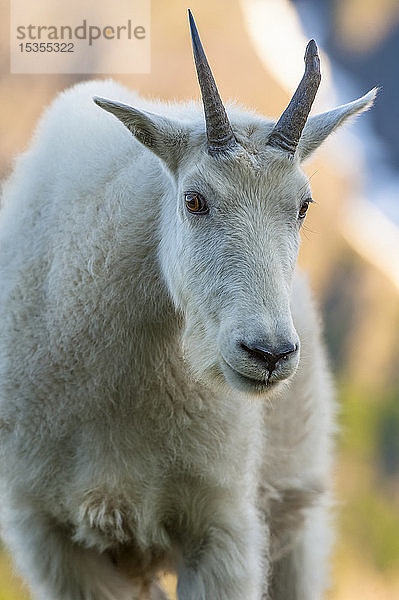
[136, 434]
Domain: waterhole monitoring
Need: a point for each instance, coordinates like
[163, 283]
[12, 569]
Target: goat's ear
[317, 128]
[163, 136]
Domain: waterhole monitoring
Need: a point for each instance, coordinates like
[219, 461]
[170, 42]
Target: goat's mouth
[245, 383]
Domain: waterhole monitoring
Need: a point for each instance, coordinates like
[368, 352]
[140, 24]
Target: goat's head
[230, 225]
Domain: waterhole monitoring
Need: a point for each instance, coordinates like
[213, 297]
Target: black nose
[269, 356]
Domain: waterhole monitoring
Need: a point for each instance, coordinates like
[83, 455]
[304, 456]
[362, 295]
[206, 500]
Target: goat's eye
[304, 209]
[196, 203]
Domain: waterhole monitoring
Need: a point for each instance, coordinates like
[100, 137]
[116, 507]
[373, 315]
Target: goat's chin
[214, 373]
[241, 383]
[210, 370]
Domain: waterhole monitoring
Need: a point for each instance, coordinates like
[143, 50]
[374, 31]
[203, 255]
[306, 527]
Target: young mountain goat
[164, 397]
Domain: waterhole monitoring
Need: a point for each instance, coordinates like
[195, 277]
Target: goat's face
[228, 251]
[230, 224]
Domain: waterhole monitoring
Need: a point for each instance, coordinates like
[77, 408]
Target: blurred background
[350, 243]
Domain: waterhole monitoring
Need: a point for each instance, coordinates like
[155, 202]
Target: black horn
[218, 129]
[289, 127]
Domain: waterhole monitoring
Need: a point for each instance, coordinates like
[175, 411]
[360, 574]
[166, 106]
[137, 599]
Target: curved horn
[218, 129]
[288, 129]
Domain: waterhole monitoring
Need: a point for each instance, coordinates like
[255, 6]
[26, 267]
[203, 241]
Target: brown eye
[196, 203]
[304, 209]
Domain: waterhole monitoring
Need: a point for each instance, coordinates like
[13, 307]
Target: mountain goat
[164, 397]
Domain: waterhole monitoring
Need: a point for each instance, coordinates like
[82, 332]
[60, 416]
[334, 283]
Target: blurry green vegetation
[368, 474]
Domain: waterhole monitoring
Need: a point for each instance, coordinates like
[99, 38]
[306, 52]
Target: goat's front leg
[301, 573]
[55, 566]
[225, 562]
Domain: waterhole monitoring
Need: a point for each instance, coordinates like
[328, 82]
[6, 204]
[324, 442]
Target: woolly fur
[128, 444]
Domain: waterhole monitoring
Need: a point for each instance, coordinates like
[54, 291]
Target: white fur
[128, 445]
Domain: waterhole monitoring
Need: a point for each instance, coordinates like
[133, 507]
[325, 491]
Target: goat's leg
[225, 563]
[57, 568]
[302, 572]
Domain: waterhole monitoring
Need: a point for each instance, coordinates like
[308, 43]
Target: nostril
[269, 356]
[287, 351]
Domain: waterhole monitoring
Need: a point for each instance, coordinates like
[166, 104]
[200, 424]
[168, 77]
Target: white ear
[317, 128]
[163, 136]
